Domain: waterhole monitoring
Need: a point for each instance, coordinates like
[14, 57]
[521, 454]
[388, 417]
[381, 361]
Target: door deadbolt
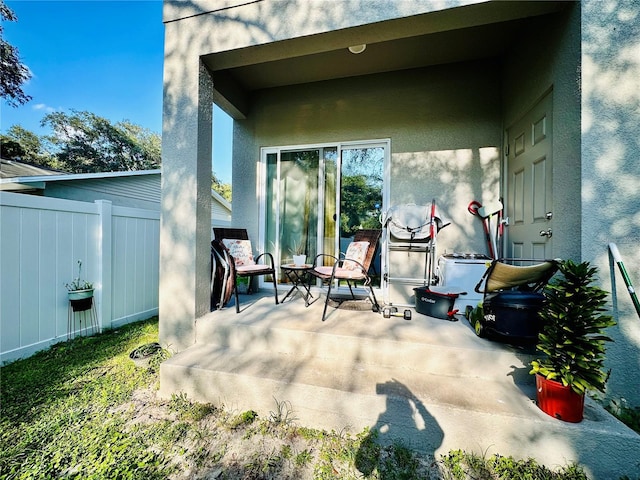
[549, 215]
[546, 233]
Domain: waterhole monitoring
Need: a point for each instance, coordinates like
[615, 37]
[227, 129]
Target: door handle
[546, 233]
[549, 215]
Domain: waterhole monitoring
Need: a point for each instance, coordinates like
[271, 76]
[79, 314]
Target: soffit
[460, 34]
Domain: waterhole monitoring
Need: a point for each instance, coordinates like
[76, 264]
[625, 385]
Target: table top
[291, 266]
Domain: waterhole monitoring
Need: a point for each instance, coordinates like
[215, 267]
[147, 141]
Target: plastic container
[461, 272]
[437, 304]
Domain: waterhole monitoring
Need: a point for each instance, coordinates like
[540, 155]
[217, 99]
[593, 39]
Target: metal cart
[409, 249]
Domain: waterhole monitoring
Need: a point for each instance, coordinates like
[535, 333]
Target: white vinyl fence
[41, 240]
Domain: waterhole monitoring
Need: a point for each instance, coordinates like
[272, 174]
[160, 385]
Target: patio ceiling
[461, 34]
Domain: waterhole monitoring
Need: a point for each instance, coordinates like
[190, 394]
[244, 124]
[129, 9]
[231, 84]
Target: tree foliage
[25, 146]
[84, 142]
[360, 202]
[224, 189]
[13, 72]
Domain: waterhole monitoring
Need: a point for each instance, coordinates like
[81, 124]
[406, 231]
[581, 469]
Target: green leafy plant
[572, 338]
[78, 283]
[627, 414]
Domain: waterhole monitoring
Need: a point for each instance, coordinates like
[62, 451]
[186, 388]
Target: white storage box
[461, 272]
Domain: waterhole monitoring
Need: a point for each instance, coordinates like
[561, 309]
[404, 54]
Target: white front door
[529, 184]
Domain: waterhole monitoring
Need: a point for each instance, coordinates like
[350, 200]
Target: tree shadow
[405, 422]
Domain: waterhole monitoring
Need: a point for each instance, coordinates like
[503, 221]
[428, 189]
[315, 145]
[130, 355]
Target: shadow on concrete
[405, 422]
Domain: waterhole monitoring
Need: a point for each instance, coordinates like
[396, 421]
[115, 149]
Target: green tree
[24, 145]
[14, 73]
[84, 142]
[359, 204]
[224, 189]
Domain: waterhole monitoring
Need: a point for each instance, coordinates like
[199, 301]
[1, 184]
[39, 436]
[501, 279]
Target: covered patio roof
[473, 32]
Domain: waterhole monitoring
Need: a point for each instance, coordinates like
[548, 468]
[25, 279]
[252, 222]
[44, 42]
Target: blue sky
[104, 57]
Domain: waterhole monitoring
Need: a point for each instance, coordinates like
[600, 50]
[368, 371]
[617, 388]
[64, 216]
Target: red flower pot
[559, 401]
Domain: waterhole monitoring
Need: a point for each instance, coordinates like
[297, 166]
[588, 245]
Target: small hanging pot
[81, 300]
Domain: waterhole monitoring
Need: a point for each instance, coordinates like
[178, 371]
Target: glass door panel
[361, 183]
[292, 204]
[329, 226]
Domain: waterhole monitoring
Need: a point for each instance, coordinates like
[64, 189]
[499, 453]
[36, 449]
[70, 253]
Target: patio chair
[351, 267]
[511, 298]
[241, 261]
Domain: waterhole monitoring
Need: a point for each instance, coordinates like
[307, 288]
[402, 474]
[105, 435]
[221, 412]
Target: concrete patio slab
[429, 383]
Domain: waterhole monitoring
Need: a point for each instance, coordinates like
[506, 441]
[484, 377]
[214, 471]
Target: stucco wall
[238, 23]
[611, 170]
[444, 125]
[547, 59]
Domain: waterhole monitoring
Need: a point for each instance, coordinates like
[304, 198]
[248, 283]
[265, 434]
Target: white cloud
[44, 107]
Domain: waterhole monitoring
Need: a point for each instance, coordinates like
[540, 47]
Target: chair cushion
[253, 269]
[356, 251]
[341, 273]
[240, 250]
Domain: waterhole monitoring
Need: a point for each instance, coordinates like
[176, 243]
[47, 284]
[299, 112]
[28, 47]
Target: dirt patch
[225, 445]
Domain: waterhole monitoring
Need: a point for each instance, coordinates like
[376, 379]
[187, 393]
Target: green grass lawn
[83, 410]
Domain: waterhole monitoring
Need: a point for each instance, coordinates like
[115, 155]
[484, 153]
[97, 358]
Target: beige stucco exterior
[281, 69]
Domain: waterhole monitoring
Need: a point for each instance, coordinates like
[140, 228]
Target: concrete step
[426, 382]
[297, 379]
[423, 344]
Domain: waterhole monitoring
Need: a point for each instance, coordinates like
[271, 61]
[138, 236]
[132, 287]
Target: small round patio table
[298, 275]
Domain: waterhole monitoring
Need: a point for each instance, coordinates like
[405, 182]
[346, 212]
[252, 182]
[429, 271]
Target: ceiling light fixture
[355, 49]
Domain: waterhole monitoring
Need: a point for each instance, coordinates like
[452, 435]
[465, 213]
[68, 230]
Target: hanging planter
[81, 300]
[80, 292]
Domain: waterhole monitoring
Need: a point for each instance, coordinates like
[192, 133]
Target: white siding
[141, 191]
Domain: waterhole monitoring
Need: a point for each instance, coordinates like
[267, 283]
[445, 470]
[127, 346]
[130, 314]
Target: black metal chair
[241, 261]
[351, 267]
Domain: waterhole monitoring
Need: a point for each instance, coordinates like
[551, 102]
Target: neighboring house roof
[220, 209]
[14, 168]
[131, 188]
[139, 188]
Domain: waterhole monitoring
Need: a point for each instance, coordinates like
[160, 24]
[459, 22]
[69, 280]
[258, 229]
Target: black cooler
[513, 314]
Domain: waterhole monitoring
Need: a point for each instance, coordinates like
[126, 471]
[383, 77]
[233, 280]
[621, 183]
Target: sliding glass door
[315, 198]
[292, 203]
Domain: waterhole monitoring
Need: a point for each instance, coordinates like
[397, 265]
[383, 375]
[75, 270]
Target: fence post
[104, 264]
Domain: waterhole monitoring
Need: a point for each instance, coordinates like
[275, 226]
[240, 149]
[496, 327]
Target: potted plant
[80, 292]
[297, 251]
[572, 341]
